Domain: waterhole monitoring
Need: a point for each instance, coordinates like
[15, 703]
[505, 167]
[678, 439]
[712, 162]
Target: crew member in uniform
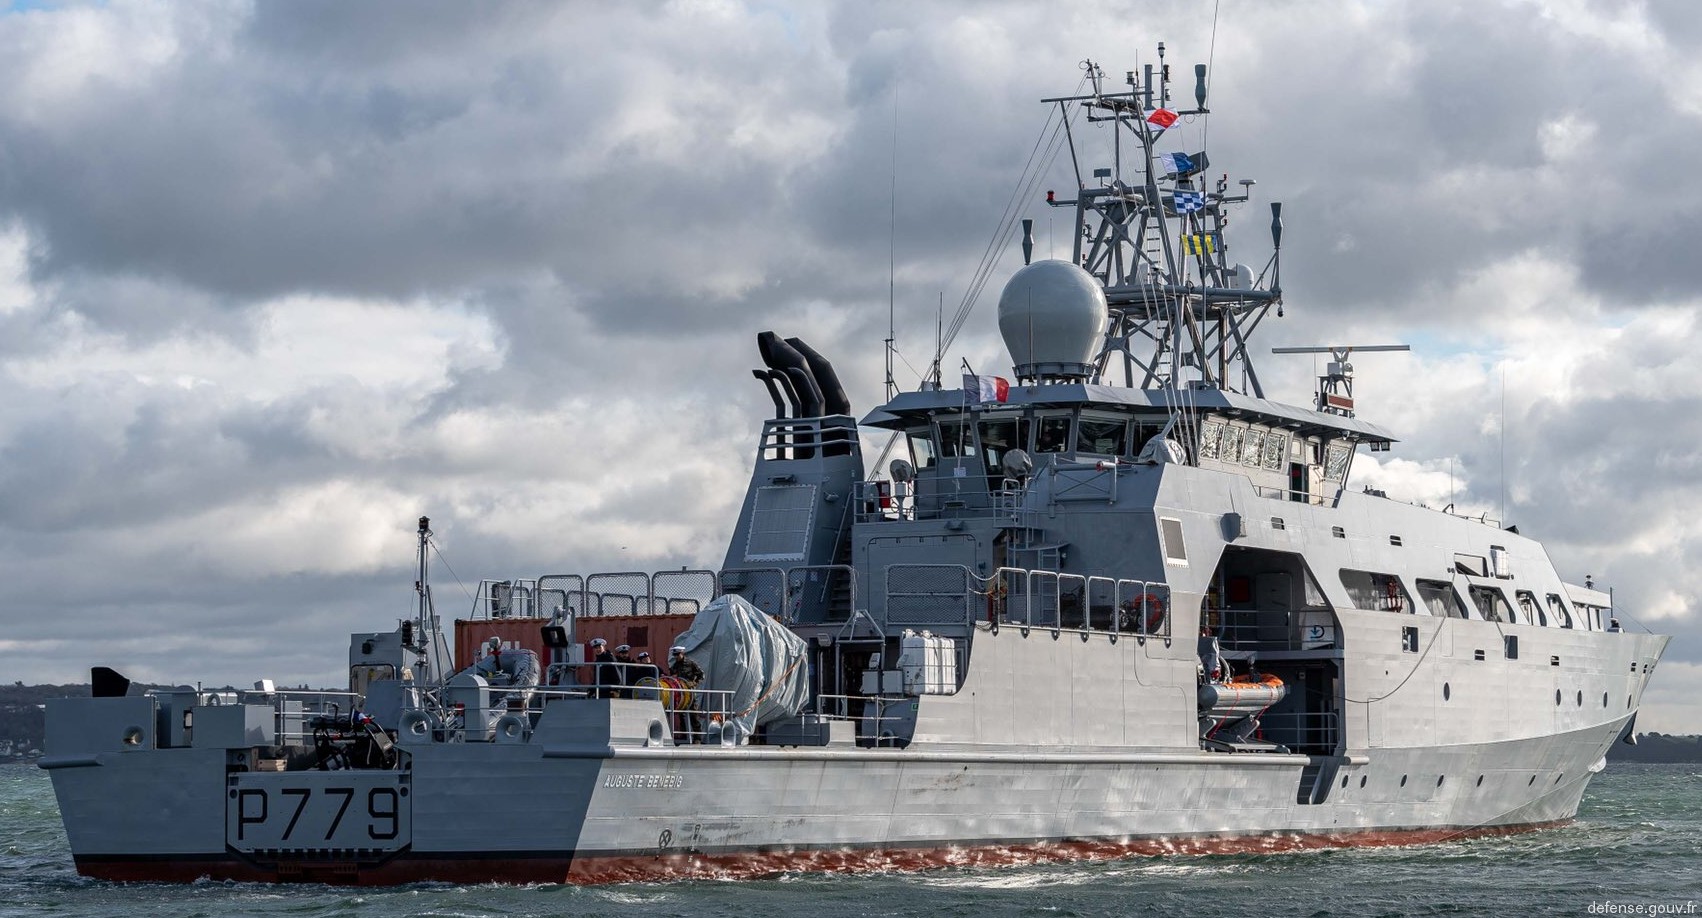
[686, 670]
[608, 674]
[628, 675]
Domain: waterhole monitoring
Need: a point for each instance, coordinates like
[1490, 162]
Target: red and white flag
[1160, 118]
[986, 388]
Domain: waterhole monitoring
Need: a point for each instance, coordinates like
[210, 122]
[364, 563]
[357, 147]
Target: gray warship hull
[588, 798]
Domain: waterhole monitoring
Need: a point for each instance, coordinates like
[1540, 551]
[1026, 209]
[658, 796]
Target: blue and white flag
[1186, 202]
[1173, 163]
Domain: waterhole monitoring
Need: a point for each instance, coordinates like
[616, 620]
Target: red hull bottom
[484, 867]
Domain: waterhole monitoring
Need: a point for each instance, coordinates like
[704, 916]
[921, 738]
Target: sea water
[1636, 849]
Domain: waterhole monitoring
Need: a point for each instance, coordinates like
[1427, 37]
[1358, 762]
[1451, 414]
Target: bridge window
[921, 448]
[1210, 433]
[1102, 437]
[1229, 450]
[1335, 461]
[1557, 611]
[998, 436]
[1053, 435]
[1276, 450]
[1253, 447]
[956, 439]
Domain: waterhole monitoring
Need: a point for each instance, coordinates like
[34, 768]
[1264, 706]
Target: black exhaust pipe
[833, 396]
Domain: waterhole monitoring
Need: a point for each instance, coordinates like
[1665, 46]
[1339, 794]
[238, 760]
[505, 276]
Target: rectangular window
[1102, 437]
[1253, 448]
[1230, 449]
[1338, 532]
[1557, 611]
[1278, 524]
[1276, 447]
[1335, 461]
[1210, 433]
[1510, 646]
[1475, 565]
[956, 439]
[998, 436]
[1053, 435]
[1170, 532]
[1478, 655]
[921, 448]
[1409, 639]
[1395, 541]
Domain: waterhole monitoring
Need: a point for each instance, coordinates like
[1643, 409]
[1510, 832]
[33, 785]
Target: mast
[1150, 229]
[428, 634]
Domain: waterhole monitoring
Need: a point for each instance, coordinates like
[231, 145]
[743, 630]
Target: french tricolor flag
[986, 388]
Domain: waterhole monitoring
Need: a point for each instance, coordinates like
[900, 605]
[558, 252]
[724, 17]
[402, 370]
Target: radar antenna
[1335, 387]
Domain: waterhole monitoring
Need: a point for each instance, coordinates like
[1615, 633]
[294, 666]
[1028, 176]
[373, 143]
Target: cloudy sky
[276, 280]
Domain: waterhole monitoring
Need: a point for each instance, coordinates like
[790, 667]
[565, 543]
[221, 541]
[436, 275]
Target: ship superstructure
[1121, 602]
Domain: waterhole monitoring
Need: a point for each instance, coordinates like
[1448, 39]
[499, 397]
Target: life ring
[1150, 609]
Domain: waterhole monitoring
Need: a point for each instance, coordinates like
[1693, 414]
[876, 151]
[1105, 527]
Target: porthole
[1361, 780]
[1445, 691]
[1403, 780]
[1344, 782]
[1580, 698]
[133, 736]
[1556, 697]
[1559, 776]
[1532, 782]
[1627, 702]
[1440, 779]
[1604, 699]
[1480, 780]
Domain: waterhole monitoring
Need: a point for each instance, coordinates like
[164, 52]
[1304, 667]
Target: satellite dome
[1052, 315]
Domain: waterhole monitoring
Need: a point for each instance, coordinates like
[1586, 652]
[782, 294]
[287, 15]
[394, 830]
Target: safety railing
[1048, 599]
[1312, 732]
[1272, 629]
[605, 594]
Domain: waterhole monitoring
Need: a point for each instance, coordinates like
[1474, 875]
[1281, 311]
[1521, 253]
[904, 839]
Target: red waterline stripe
[594, 869]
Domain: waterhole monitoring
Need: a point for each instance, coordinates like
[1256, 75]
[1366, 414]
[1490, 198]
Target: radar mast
[1149, 227]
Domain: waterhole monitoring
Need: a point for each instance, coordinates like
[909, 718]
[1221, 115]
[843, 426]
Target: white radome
[1052, 314]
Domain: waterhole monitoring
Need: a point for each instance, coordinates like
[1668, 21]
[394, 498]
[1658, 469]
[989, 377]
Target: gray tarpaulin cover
[746, 652]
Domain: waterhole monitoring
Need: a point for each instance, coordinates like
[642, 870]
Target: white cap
[676, 649]
[598, 642]
[623, 648]
[493, 642]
